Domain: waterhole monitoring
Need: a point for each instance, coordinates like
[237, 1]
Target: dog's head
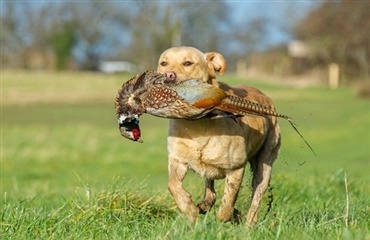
[180, 63]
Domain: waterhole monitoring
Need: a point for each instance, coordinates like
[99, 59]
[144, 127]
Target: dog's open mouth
[129, 128]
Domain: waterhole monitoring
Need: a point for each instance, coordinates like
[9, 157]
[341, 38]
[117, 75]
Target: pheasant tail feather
[242, 106]
[245, 107]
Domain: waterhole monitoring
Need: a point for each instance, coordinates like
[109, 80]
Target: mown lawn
[66, 173]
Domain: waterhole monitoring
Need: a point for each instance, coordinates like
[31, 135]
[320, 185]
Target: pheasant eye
[163, 64]
[187, 63]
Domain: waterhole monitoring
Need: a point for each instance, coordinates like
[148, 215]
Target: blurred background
[275, 39]
[62, 63]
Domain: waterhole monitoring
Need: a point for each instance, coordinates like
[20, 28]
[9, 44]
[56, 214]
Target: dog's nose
[170, 75]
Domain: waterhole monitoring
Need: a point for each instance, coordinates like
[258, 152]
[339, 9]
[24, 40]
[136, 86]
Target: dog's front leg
[209, 197]
[177, 172]
[232, 185]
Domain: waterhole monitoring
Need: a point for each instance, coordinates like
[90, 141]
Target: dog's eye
[187, 63]
[163, 64]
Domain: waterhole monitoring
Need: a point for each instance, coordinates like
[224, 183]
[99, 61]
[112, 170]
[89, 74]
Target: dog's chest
[210, 147]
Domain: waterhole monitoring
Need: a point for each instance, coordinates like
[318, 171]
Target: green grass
[66, 173]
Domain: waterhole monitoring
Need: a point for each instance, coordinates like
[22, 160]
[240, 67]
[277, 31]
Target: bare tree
[203, 24]
[336, 31]
[99, 30]
[90, 31]
[150, 32]
[156, 26]
[49, 31]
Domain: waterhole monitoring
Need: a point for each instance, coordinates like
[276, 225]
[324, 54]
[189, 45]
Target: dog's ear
[217, 60]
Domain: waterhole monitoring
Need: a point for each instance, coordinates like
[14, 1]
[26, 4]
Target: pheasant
[154, 93]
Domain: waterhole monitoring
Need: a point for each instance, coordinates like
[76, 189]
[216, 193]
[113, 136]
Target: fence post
[333, 75]
[241, 68]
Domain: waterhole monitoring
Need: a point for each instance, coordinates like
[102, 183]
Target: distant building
[299, 49]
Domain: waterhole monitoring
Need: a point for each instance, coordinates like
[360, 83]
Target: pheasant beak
[129, 128]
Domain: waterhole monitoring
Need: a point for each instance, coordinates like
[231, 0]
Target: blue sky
[281, 14]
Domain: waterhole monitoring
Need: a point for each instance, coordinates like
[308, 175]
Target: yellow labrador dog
[218, 148]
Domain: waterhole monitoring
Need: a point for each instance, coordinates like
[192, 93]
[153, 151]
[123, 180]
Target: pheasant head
[129, 107]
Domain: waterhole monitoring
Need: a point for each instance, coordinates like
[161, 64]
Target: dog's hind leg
[209, 197]
[261, 169]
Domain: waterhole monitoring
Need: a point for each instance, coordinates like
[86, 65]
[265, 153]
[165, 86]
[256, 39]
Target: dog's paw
[237, 216]
[204, 206]
[232, 215]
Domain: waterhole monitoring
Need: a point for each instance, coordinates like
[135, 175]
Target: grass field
[66, 173]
